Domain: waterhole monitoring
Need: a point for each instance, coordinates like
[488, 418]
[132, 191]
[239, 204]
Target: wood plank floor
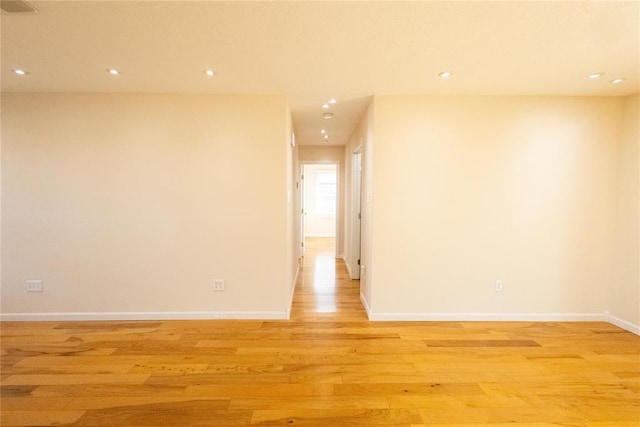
[327, 366]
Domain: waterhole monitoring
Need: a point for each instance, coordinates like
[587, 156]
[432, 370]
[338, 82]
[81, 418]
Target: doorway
[319, 204]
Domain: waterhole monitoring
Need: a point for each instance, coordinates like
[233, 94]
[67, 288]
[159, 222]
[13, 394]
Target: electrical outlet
[499, 286]
[34, 285]
[218, 285]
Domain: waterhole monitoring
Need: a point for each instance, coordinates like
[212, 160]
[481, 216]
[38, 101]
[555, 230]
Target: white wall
[361, 140]
[135, 203]
[470, 190]
[131, 204]
[293, 207]
[624, 293]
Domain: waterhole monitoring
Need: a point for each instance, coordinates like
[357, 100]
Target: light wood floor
[327, 366]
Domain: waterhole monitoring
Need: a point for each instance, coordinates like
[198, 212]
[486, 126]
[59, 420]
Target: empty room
[320, 213]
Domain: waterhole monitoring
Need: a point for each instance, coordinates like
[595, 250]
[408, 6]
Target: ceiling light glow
[325, 105]
[210, 73]
[323, 131]
[332, 101]
[595, 75]
[616, 81]
[445, 74]
[113, 71]
[20, 72]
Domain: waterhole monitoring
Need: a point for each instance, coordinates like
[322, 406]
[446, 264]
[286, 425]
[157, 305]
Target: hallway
[324, 291]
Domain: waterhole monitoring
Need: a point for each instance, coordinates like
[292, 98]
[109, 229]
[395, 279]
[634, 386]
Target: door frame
[356, 212]
[338, 204]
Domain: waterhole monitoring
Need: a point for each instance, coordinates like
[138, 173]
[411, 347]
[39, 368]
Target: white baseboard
[366, 306]
[475, 317]
[627, 326]
[186, 315]
[349, 270]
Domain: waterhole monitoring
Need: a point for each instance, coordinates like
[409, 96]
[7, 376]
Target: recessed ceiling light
[445, 74]
[332, 101]
[595, 75]
[323, 131]
[326, 136]
[17, 7]
[210, 73]
[113, 71]
[20, 72]
[616, 81]
[327, 116]
[325, 105]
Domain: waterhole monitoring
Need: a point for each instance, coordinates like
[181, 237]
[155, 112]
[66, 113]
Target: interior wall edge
[293, 291]
[365, 304]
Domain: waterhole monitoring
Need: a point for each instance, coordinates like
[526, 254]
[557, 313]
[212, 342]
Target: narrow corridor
[324, 290]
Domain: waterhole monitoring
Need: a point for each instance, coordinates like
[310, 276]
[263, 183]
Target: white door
[357, 214]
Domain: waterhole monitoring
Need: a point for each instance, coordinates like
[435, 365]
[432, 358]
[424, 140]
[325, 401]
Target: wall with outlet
[494, 206]
[138, 205]
[132, 203]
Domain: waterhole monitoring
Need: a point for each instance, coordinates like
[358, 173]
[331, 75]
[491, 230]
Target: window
[326, 192]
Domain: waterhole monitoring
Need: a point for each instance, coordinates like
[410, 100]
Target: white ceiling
[311, 51]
